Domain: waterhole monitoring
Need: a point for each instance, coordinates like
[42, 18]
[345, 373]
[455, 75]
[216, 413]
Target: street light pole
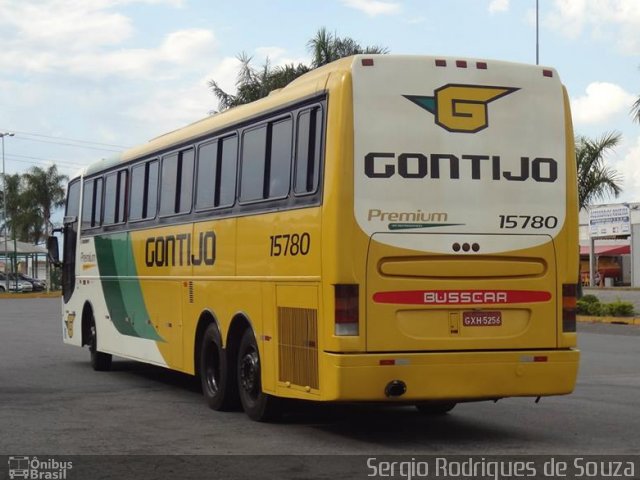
[4, 206]
[537, 34]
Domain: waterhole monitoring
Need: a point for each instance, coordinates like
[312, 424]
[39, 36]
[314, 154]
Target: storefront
[610, 245]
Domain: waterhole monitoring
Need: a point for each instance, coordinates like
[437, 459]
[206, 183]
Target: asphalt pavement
[52, 402]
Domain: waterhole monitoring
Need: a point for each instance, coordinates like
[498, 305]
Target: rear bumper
[452, 376]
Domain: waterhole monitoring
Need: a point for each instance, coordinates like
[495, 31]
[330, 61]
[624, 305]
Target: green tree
[596, 181]
[255, 83]
[326, 48]
[24, 220]
[635, 110]
[45, 188]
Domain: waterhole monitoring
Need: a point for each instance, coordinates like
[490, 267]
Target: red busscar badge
[461, 297]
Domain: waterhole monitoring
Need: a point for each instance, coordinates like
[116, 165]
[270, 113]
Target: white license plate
[481, 319]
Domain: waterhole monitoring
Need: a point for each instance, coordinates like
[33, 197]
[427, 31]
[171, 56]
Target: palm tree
[635, 110]
[596, 181]
[326, 48]
[45, 187]
[253, 84]
[24, 220]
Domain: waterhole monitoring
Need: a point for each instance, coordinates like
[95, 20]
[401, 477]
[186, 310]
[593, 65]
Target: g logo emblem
[461, 108]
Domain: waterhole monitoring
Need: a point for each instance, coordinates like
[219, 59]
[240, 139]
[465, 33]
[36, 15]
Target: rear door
[460, 185]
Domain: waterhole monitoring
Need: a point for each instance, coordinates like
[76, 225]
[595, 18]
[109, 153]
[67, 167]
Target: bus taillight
[569, 307]
[346, 313]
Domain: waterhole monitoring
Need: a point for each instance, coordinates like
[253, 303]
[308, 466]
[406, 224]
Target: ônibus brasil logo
[461, 108]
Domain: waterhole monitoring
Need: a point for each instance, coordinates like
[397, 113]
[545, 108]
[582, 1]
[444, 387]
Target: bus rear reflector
[346, 313]
[569, 306]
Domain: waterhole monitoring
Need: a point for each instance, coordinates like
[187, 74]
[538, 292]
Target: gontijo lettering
[172, 250]
[476, 167]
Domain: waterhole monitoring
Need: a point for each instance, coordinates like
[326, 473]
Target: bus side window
[254, 143]
[185, 181]
[151, 190]
[216, 173]
[136, 199]
[227, 169]
[280, 158]
[87, 204]
[114, 197]
[206, 175]
[308, 154]
[92, 203]
[144, 191]
[176, 183]
[168, 187]
[73, 200]
[96, 219]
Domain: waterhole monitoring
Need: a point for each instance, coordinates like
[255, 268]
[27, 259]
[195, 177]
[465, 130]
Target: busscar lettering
[445, 297]
[447, 165]
[175, 250]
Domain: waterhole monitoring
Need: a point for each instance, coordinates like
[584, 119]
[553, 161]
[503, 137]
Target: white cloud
[600, 103]
[374, 7]
[498, 6]
[86, 37]
[617, 21]
[225, 74]
[277, 57]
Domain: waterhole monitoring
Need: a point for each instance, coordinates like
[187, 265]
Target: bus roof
[308, 84]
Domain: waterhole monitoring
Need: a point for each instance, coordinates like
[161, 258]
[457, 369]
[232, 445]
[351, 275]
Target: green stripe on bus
[121, 288]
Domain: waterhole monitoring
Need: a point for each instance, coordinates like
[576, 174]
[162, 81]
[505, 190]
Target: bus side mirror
[53, 250]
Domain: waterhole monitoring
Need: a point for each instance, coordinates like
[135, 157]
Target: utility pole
[4, 204]
[537, 34]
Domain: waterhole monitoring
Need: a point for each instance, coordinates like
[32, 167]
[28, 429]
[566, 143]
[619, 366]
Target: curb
[17, 296]
[610, 320]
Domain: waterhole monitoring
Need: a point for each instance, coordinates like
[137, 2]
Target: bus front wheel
[218, 391]
[100, 361]
[257, 405]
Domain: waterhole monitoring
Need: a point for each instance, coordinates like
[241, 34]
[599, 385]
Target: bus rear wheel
[258, 405]
[100, 361]
[219, 392]
[435, 408]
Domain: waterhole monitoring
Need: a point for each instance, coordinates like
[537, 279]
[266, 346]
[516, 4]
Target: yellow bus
[386, 228]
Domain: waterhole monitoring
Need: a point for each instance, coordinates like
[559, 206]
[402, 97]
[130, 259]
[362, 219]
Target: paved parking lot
[52, 402]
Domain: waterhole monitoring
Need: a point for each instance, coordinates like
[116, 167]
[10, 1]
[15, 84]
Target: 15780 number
[524, 221]
[290, 244]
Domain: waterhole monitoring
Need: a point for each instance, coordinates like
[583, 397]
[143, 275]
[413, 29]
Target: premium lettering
[413, 216]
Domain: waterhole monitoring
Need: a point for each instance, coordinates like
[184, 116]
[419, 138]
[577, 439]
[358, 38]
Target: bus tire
[101, 362]
[218, 384]
[258, 405]
[435, 408]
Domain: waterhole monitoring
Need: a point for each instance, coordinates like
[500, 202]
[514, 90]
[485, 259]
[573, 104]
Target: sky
[82, 79]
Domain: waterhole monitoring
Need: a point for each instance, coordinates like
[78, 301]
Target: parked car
[37, 284]
[14, 286]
